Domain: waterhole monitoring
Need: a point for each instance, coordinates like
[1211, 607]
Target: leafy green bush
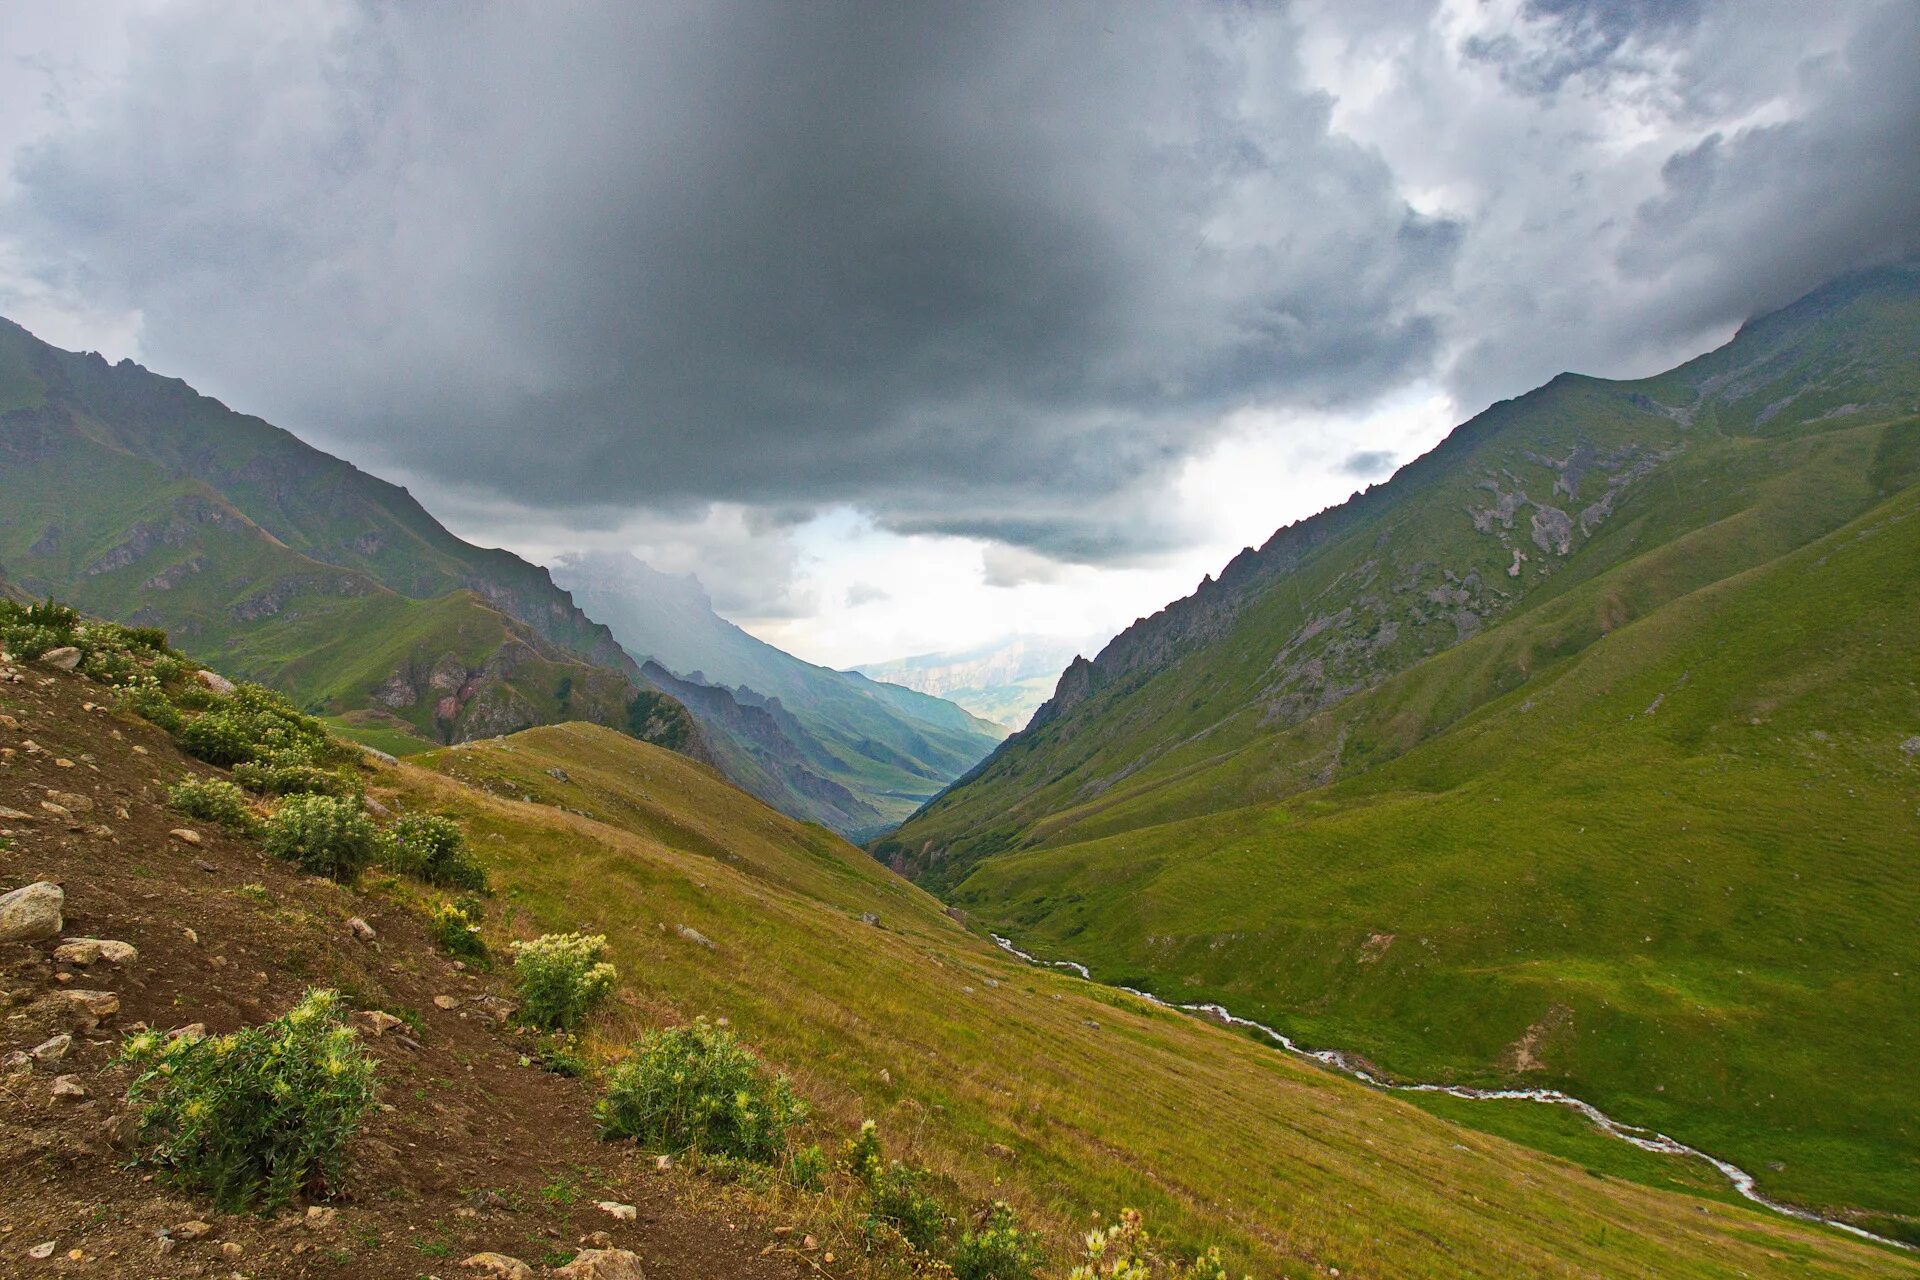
[560, 978]
[27, 631]
[998, 1249]
[255, 724]
[259, 1116]
[325, 835]
[294, 778]
[559, 1052]
[212, 800]
[900, 1199]
[457, 931]
[431, 847]
[698, 1087]
[807, 1167]
[863, 1159]
[1124, 1251]
[148, 699]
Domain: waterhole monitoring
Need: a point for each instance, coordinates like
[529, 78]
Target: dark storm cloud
[1367, 463]
[963, 265]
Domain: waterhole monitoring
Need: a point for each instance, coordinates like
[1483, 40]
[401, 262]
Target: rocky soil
[176, 925]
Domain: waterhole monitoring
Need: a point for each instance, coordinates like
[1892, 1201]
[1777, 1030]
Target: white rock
[499, 1265]
[185, 835]
[52, 1050]
[65, 658]
[603, 1264]
[361, 929]
[214, 681]
[31, 913]
[621, 1212]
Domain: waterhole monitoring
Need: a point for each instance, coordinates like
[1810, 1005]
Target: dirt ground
[469, 1150]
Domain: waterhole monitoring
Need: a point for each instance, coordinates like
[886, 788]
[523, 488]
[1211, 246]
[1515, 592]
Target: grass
[955, 1049]
[1643, 810]
[1702, 894]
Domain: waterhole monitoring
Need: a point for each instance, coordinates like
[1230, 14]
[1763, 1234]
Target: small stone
[85, 951]
[361, 929]
[619, 1212]
[15, 1062]
[185, 835]
[500, 1265]
[42, 1250]
[603, 1264]
[374, 1022]
[65, 658]
[72, 800]
[320, 1216]
[204, 865]
[59, 811]
[192, 1230]
[52, 1050]
[231, 1250]
[662, 1163]
[32, 913]
[694, 936]
[191, 1032]
[446, 1002]
[98, 1004]
[69, 1089]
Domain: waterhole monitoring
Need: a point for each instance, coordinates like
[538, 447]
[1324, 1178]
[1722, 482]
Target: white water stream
[1645, 1139]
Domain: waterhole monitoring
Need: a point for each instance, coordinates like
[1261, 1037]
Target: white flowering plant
[560, 977]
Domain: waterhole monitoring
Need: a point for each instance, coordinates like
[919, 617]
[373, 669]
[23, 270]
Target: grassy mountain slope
[1027, 1085]
[893, 748]
[137, 499]
[1331, 789]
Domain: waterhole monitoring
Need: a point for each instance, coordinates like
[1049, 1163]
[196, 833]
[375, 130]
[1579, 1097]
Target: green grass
[1104, 1101]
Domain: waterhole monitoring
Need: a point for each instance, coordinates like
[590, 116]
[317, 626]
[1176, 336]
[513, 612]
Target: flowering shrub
[457, 931]
[863, 1154]
[259, 1116]
[212, 800]
[698, 1087]
[998, 1250]
[900, 1199]
[560, 978]
[431, 847]
[325, 835]
[807, 1167]
[1123, 1251]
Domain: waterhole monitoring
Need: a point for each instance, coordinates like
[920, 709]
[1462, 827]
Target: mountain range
[1005, 681]
[138, 499]
[1584, 754]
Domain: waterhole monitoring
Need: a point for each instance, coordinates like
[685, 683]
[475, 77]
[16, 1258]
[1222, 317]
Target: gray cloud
[1367, 463]
[965, 266]
[676, 276]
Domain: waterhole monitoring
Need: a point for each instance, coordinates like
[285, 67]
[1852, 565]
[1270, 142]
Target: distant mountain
[136, 498]
[1005, 682]
[890, 748]
[1583, 753]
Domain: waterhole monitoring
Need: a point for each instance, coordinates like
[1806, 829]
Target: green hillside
[1572, 756]
[1017, 1083]
[891, 747]
[136, 499]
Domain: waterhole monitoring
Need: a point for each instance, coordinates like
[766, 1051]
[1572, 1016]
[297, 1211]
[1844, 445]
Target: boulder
[214, 681]
[361, 929]
[52, 1050]
[500, 1265]
[65, 658]
[604, 1264]
[185, 835]
[32, 913]
[619, 1212]
[68, 1089]
[85, 951]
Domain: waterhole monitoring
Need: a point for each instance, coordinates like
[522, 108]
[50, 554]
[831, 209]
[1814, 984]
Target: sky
[906, 327]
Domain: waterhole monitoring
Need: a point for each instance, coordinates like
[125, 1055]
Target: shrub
[212, 800]
[560, 978]
[457, 932]
[259, 1116]
[148, 700]
[431, 847]
[559, 1052]
[698, 1087]
[998, 1250]
[325, 835]
[900, 1199]
[807, 1167]
[217, 739]
[863, 1159]
[28, 631]
[1124, 1251]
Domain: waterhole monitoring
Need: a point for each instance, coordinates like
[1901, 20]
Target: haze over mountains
[135, 498]
[1584, 753]
[1005, 681]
